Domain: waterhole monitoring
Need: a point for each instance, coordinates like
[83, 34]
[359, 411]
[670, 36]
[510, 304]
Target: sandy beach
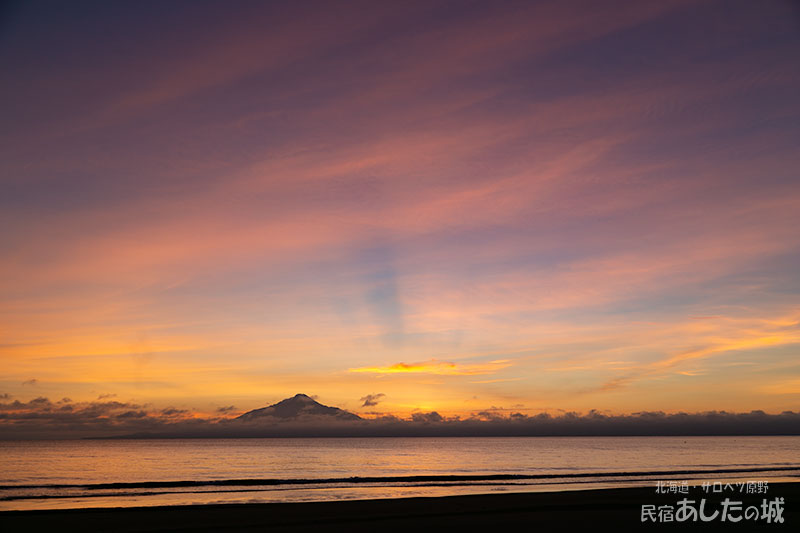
[586, 508]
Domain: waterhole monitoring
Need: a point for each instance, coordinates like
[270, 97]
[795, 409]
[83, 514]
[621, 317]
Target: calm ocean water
[122, 473]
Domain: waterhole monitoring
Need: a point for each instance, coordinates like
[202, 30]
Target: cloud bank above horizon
[42, 418]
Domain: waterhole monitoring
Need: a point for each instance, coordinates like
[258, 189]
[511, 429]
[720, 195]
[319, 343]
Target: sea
[133, 473]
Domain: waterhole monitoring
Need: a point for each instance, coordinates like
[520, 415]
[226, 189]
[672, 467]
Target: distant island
[297, 407]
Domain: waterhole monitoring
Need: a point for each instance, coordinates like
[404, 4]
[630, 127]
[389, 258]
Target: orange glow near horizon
[437, 368]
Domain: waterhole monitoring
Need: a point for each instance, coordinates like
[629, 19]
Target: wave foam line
[389, 479]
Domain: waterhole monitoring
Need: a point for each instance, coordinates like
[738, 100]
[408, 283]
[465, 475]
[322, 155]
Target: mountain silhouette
[297, 408]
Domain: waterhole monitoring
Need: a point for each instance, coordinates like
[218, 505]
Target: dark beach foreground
[572, 509]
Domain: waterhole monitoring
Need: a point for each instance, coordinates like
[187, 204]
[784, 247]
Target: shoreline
[619, 507]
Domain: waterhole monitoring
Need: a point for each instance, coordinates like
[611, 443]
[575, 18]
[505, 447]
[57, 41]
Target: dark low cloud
[42, 418]
[171, 411]
[427, 418]
[5, 396]
[106, 396]
[41, 407]
[226, 409]
[491, 415]
[371, 400]
[33, 381]
[131, 414]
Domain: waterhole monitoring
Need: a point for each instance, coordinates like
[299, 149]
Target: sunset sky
[402, 206]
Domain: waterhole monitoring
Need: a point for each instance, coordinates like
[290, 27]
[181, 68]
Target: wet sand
[587, 510]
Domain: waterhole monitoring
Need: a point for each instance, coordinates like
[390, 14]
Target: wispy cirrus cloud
[728, 336]
[439, 368]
